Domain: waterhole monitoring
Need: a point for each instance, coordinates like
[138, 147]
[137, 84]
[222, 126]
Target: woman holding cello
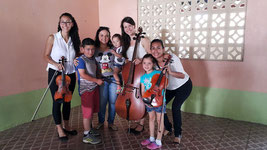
[128, 33]
[179, 87]
[66, 43]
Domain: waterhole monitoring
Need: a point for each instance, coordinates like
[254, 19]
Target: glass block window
[196, 29]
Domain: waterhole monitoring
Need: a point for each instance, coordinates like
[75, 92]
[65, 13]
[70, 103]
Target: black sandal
[63, 138]
[167, 132]
[72, 132]
[136, 132]
[177, 141]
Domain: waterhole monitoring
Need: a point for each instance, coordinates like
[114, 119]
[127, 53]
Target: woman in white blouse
[128, 32]
[66, 42]
[179, 87]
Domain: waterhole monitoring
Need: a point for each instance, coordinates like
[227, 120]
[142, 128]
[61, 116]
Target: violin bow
[109, 80]
[164, 102]
[37, 108]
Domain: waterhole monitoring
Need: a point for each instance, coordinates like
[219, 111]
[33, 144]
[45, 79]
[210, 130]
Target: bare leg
[66, 125]
[152, 123]
[160, 121]
[60, 131]
[87, 124]
[140, 126]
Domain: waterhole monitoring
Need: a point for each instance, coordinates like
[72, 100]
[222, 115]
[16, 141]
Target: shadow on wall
[168, 39]
[197, 101]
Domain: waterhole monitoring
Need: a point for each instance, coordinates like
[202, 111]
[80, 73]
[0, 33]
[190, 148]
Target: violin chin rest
[147, 101]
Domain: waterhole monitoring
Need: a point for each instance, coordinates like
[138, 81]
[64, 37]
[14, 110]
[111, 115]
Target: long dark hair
[74, 33]
[97, 42]
[126, 39]
[157, 41]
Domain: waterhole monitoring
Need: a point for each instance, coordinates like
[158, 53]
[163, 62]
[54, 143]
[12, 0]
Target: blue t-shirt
[146, 80]
[90, 67]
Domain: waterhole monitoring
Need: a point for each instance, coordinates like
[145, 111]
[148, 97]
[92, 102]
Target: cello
[129, 104]
[154, 96]
[63, 93]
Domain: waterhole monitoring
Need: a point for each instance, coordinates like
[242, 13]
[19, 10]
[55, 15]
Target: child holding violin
[148, 63]
[179, 87]
[88, 89]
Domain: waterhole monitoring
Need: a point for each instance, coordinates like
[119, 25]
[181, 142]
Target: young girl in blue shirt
[148, 64]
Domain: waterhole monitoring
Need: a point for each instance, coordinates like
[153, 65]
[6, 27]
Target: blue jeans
[107, 94]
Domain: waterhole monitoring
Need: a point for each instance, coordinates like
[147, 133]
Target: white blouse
[176, 66]
[61, 48]
[140, 52]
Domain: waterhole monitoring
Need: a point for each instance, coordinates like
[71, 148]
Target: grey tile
[200, 132]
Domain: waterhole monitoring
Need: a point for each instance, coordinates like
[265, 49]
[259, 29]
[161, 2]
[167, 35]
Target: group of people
[97, 68]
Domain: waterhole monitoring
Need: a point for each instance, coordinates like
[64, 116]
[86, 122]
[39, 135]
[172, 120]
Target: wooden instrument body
[155, 93]
[131, 92]
[154, 96]
[63, 93]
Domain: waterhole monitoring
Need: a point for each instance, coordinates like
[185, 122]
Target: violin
[63, 93]
[154, 96]
[129, 104]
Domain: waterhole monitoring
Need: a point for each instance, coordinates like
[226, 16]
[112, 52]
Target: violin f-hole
[136, 93]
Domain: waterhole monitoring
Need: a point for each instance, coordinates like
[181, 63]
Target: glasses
[66, 23]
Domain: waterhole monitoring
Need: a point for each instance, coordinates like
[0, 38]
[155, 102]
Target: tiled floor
[199, 132]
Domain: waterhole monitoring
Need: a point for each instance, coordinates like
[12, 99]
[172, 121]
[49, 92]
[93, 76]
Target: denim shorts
[156, 109]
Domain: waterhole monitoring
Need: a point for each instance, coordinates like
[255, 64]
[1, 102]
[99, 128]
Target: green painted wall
[233, 104]
[18, 109]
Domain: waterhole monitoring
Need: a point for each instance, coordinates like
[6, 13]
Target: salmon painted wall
[248, 75]
[112, 12]
[25, 26]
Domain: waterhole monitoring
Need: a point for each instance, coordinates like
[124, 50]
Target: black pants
[56, 110]
[180, 95]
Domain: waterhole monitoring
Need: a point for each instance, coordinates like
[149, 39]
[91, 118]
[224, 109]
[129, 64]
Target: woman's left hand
[168, 69]
[137, 61]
